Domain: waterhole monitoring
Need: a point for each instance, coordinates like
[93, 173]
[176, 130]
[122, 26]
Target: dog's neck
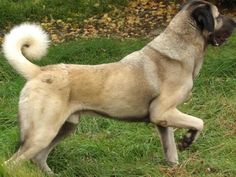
[181, 41]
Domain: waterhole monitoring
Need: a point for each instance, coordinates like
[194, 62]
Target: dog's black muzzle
[222, 34]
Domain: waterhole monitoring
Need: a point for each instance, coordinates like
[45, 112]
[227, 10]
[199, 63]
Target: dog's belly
[120, 104]
[124, 110]
[130, 118]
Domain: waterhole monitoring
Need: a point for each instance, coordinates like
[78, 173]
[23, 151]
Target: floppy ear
[203, 17]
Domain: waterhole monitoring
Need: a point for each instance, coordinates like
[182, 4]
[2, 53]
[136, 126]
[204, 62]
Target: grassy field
[103, 147]
[17, 11]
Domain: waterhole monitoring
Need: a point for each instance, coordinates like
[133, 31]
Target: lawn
[15, 12]
[103, 147]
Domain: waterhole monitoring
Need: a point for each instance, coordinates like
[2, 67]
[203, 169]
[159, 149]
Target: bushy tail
[26, 41]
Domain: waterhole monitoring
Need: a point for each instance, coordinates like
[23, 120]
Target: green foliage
[104, 147]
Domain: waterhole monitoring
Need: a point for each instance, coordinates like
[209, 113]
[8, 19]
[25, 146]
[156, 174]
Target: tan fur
[146, 85]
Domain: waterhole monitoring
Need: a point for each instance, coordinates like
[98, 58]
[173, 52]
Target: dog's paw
[187, 139]
[172, 164]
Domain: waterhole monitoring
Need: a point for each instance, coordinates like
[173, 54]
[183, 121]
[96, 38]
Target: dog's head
[215, 28]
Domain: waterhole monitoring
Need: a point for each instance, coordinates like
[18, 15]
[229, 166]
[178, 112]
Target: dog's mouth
[218, 40]
[220, 36]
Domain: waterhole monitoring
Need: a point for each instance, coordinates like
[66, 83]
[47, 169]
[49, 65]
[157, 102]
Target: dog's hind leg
[32, 145]
[68, 127]
[168, 144]
[40, 122]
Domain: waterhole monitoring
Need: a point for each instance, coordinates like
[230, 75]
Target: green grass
[103, 147]
[18, 11]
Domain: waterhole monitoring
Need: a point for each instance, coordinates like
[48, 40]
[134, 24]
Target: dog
[147, 85]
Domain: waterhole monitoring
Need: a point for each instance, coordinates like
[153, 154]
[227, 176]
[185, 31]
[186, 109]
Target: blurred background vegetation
[18, 10]
[15, 11]
[75, 18]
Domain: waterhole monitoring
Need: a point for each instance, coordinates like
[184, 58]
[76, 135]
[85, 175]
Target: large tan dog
[146, 85]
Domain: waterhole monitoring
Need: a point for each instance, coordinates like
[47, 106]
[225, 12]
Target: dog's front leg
[162, 114]
[168, 144]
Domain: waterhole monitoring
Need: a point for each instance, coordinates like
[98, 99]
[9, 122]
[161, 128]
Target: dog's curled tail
[26, 41]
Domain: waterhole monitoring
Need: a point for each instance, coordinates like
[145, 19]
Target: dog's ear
[204, 18]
